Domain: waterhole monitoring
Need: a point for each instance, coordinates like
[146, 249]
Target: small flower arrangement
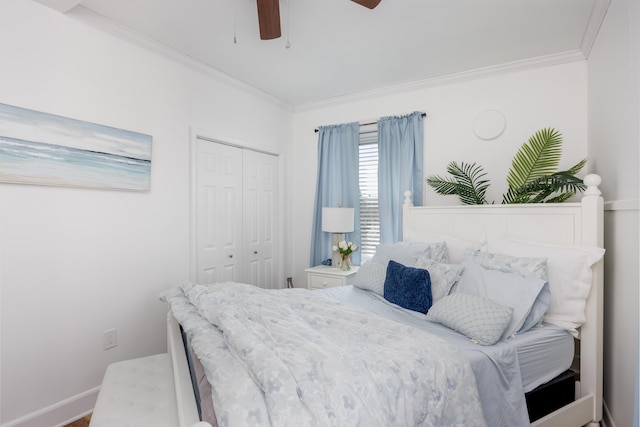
[345, 250]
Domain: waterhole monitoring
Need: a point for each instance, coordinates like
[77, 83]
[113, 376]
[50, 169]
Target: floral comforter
[291, 357]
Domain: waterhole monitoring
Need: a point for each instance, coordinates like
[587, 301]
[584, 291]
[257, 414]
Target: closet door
[218, 204]
[260, 218]
[235, 237]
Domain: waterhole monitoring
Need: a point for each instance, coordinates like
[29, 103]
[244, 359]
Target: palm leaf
[537, 158]
[467, 183]
[515, 197]
[533, 177]
[554, 188]
[574, 170]
[560, 198]
[441, 185]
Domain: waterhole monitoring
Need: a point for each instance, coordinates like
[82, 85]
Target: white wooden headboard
[561, 223]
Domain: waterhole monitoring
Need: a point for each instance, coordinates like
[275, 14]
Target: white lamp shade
[337, 220]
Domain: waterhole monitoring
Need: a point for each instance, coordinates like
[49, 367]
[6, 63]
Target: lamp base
[335, 255]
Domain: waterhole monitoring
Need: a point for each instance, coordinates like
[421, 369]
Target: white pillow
[437, 250]
[399, 252]
[407, 253]
[523, 266]
[481, 319]
[443, 276]
[507, 289]
[371, 276]
[455, 246]
[569, 269]
[538, 310]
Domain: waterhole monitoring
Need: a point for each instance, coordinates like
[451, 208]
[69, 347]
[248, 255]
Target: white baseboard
[61, 413]
[607, 421]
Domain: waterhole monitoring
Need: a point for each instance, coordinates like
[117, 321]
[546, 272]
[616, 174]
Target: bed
[514, 229]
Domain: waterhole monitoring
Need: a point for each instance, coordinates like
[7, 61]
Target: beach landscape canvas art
[45, 149]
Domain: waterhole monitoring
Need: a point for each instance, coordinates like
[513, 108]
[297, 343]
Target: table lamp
[337, 221]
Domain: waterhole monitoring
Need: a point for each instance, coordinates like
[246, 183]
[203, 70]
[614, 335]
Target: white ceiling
[339, 48]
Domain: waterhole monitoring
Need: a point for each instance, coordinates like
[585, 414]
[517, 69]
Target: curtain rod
[316, 130]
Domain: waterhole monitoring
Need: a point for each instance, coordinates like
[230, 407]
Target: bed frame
[562, 224]
[565, 223]
[187, 407]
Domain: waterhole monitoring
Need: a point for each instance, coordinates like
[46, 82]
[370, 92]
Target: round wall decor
[489, 125]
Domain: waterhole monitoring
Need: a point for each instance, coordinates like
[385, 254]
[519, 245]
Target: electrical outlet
[110, 338]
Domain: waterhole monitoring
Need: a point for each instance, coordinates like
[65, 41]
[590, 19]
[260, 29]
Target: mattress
[544, 351]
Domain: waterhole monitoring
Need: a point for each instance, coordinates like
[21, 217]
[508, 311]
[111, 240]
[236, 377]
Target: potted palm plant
[532, 178]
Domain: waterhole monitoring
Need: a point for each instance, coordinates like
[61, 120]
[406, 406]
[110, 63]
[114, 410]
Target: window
[369, 212]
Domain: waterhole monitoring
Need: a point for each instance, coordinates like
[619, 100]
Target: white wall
[531, 100]
[75, 262]
[614, 140]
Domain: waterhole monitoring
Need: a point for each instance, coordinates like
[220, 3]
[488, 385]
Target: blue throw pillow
[408, 287]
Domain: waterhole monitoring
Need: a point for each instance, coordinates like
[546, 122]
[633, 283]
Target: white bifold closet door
[236, 235]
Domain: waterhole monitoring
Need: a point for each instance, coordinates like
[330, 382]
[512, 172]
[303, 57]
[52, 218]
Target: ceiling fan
[269, 16]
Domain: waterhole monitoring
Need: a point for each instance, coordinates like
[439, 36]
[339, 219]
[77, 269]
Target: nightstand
[323, 276]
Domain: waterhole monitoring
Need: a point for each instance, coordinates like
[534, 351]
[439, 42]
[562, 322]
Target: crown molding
[62, 6]
[95, 20]
[598, 14]
[478, 73]
[99, 22]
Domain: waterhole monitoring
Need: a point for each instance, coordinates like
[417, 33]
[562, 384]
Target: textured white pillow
[569, 269]
[455, 246]
[433, 250]
[507, 289]
[371, 276]
[481, 319]
[443, 276]
[399, 252]
[523, 266]
[407, 253]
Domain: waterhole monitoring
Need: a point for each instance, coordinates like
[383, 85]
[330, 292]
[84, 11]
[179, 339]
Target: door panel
[219, 207]
[260, 217]
[236, 221]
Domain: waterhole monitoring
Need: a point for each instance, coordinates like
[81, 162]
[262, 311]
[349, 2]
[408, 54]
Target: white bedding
[314, 362]
[543, 352]
[496, 367]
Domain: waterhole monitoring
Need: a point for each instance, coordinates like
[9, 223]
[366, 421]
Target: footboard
[185, 398]
[578, 413]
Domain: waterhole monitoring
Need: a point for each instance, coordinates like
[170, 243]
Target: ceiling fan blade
[269, 19]
[368, 3]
